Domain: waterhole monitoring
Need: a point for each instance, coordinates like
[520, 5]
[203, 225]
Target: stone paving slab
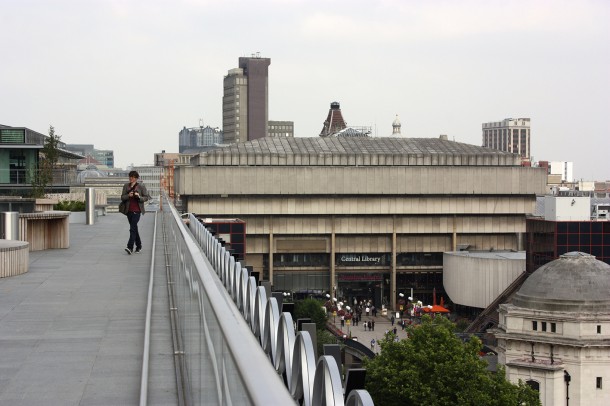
[72, 328]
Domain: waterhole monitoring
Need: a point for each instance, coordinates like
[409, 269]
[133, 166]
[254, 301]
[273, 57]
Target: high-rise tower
[245, 102]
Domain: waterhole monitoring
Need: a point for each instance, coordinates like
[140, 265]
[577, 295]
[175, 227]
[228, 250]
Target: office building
[245, 101]
[509, 135]
[92, 155]
[281, 129]
[565, 224]
[199, 138]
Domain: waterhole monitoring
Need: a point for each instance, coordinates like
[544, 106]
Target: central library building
[363, 218]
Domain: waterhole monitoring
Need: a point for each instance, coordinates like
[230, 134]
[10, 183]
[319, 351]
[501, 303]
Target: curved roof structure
[576, 282]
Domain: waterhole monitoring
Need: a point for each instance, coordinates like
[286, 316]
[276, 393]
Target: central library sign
[361, 259]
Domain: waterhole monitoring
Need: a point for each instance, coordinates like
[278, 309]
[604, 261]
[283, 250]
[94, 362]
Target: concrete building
[555, 335]
[281, 129]
[199, 138]
[565, 169]
[151, 176]
[245, 101]
[363, 217]
[509, 135]
[103, 157]
[563, 224]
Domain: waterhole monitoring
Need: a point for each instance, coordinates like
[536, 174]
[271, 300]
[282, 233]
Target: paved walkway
[72, 328]
[382, 325]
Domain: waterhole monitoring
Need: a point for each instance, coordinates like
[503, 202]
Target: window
[544, 326]
[553, 328]
[599, 329]
[534, 325]
[598, 382]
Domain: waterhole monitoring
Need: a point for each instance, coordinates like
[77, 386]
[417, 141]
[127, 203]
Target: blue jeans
[134, 235]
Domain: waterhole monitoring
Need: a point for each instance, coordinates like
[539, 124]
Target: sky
[129, 75]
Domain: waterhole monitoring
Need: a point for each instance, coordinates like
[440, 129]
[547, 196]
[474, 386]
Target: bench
[14, 258]
[45, 230]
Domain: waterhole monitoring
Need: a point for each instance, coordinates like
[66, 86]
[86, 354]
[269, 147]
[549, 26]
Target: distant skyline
[129, 75]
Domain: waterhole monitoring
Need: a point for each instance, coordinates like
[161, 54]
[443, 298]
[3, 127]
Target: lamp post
[348, 321]
[567, 378]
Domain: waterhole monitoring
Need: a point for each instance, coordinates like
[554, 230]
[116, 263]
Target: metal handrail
[225, 363]
[310, 381]
[146, 353]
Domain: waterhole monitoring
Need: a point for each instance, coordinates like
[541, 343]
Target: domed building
[555, 335]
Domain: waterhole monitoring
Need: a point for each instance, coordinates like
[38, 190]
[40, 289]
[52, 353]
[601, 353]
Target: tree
[313, 309]
[434, 367]
[310, 309]
[49, 157]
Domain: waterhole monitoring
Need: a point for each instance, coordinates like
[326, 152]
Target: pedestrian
[373, 325]
[134, 194]
[366, 310]
[370, 326]
[374, 310]
[373, 344]
[395, 330]
[342, 320]
[392, 320]
[365, 325]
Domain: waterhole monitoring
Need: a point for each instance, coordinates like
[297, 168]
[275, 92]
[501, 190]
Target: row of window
[552, 327]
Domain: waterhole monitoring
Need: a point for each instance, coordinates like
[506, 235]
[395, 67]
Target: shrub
[70, 205]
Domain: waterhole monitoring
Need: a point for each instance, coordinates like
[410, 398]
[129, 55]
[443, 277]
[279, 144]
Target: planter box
[78, 217]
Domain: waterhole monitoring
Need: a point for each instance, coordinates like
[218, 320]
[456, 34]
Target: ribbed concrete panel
[477, 279]
[353, 180]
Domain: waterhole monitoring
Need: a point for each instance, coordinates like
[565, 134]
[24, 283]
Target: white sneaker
[128, 251]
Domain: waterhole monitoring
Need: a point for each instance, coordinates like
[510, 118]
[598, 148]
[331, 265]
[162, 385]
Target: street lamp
[348, 321]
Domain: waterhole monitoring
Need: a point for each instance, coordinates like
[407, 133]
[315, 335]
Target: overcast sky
[128, 75]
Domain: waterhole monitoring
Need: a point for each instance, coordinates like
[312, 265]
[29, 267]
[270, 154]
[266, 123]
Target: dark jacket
[141, 189]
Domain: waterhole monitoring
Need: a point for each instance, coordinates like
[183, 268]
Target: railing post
[90, 205]
[10, 225]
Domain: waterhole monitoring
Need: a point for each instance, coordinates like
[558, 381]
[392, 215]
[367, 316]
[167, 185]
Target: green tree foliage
[49, 157]
[434, 367]
[310, 309]
[313, 309]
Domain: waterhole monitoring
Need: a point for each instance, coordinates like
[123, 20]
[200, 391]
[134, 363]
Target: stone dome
[396, 122]
[89, 173]
[576, 282]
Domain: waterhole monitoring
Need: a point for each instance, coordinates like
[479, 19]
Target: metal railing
[238, 348]
[27, 176]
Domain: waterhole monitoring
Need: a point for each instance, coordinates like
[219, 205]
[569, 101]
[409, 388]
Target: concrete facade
[392, 204]
[476, 279]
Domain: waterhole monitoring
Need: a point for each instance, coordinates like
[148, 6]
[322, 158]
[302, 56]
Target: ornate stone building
[556, 333]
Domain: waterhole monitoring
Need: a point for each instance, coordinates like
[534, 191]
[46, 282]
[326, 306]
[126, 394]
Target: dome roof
[89, 173]
[396, 122]
[573, 283]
